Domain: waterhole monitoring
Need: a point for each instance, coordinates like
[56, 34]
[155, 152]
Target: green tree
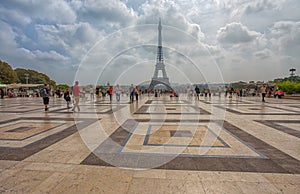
[63, 86]
[289, 87]
[34, 77]
[239, 84]
[7, 74]
[21, 75]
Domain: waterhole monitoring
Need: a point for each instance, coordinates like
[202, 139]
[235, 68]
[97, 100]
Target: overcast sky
[106, 40]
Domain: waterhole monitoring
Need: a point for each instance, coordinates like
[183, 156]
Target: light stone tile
[152, 173]
[56, 167]
[5, 174]
[154, 185]
[58, 156]
[282, 178]
[223, 187]
[92, 183]
[288, 188]
[187, 175]
[48, 185]
[4, 164]
[267, 188]
[79, 157]
[23, 181]
[103, 171]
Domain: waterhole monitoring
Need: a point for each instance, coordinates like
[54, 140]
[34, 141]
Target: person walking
[67, 97]
[45, 93]
[220, 91]
[205, 92]
[263, 91]
[76, 95]
[136, 92]
[237, 91]
[92, 93]
[197, 90]
[131, 92]
[231, 92]
[2, 93]
[118, 90]
[110, 93]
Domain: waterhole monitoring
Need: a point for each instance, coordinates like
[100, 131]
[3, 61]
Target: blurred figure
[67, 97]
[263, 91]
[136, 92]
[45, 93]
[118, 90]
[76, 94]
[131, 92]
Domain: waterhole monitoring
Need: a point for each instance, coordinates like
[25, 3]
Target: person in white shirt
[118, 90]
[263, 91]
[92, 94]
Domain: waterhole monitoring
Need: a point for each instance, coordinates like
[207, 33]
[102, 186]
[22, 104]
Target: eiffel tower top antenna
[160, 57]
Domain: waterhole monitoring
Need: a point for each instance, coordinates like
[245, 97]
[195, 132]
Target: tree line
[9, 76]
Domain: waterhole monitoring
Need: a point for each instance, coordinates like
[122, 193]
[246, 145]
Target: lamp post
[292, 70]
[26, 77]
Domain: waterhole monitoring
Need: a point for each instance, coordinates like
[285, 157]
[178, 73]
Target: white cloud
[263, 54]
[286, 37]
[101, 11]
[49, 56]
[241, 36]
[13, 16]
[262, 5]
[73, 39]
[7, 37]
[234, 33]
[171, 14]
[56, 11]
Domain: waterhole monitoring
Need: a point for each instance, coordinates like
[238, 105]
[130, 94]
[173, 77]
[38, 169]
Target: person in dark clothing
[67, 97]
[2, 93]
[45, 94]
[197, 90]
[136, 92]
[131, 93]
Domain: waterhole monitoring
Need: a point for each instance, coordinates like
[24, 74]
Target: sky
[100, 41]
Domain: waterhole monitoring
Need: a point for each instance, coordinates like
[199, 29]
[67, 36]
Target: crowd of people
[263, 91]
[77, 93]
[133, 92]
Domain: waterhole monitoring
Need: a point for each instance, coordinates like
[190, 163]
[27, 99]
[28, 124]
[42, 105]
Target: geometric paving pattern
[171, 109]
[24, 136]
[191, 150]
[265, 158]
[291, 127]
[258, 110]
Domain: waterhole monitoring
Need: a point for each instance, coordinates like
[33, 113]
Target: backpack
[43, 93]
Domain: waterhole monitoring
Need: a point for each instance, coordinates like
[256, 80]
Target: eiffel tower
[160, 66]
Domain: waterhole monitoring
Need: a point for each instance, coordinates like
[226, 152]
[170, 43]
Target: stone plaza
[155, 145]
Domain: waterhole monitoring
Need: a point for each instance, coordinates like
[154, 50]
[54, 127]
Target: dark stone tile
[125, 160]
[174, 133]
[20, 129]
[290, 164]
[266, 166]
[273, 124]
[182, 163]
[207, 163]
[92, 159]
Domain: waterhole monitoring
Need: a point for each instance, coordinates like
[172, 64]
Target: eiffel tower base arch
[157, 82]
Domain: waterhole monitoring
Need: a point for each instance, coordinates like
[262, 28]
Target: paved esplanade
[256, 150]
